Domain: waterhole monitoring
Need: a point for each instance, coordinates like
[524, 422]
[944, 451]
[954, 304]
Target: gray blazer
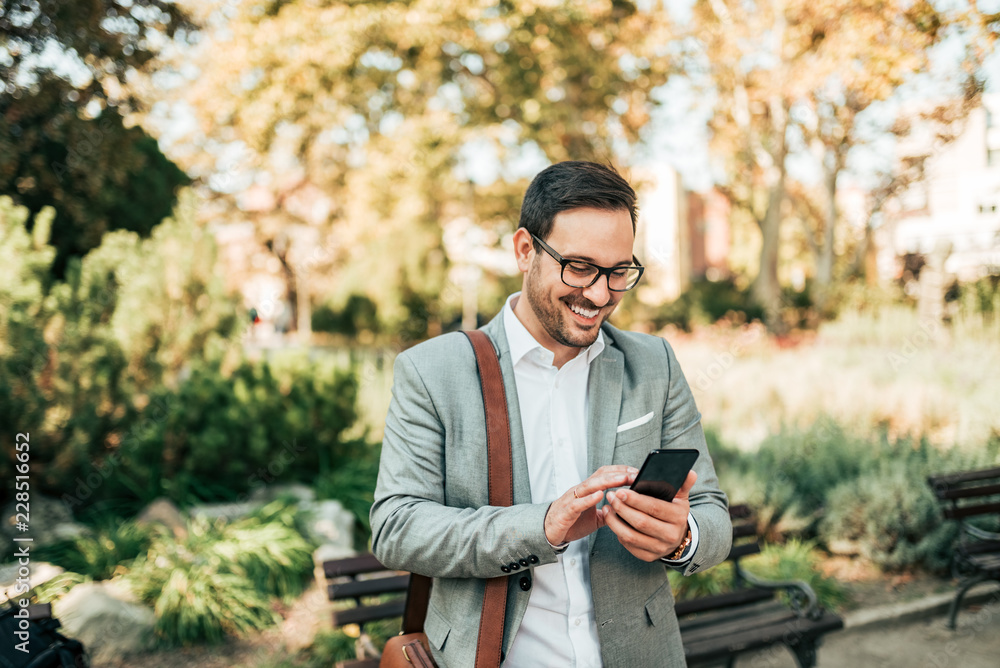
[431, 512]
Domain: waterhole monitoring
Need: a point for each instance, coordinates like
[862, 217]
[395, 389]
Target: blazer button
[505, 569]
[533, 559]
[525, 583]
[514, 566]
[523, 562]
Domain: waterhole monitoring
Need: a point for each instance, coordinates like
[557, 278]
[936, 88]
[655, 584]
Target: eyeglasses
[580, 274]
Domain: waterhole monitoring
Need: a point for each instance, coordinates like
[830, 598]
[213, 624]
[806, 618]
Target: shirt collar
[521, 342]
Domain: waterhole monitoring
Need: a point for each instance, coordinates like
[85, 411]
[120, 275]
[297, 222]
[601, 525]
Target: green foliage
[63, 140]
[706, 302]
[895, 521]
[218, 580]
[223, 435]
[359, 314]
[98, 553]
[81, 357]
[57, 587]
[353, 484]
[794, 560]
[831, 484]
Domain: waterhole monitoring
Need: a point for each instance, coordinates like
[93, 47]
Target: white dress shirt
[559, 628]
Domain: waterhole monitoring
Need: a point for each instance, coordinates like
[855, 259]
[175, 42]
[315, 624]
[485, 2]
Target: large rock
[329, 523]
[106, 619]
[164, 511]
[40, 573]
[50, 521]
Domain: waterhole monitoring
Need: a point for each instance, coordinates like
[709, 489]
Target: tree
[382, 112]
[64, 140]
[791, 73]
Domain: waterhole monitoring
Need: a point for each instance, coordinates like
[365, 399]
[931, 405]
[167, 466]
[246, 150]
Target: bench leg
[804, 650]
[964, 587]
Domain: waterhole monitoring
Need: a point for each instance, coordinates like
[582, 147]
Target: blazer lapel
[604, 399]
[522, 485]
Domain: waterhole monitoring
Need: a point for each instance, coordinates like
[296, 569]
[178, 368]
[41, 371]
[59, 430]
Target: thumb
[685, 489]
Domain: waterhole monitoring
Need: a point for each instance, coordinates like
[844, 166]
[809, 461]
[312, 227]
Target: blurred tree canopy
[384, 111]
[793, 75]
[64, 142]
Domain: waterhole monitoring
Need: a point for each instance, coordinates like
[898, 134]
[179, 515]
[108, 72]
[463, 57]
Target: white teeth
[585, 313]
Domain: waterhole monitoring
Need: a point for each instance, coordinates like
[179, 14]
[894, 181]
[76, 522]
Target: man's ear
[524, 246]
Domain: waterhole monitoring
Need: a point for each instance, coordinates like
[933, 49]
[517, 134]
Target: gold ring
[574, 494]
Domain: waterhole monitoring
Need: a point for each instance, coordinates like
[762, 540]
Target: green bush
[220, 435]
[98, 553]
[706, 302]
[80, 357]
[831, 484]
[219, 579]
[794, 560]
[892, 516]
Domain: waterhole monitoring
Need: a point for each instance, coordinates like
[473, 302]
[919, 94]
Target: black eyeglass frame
[601, 271]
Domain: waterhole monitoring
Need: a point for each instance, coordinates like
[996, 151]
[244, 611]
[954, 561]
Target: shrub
[219, 436]
[706, 302]
[892, 516]
[794, 560]
[98, 553]
[219, 579]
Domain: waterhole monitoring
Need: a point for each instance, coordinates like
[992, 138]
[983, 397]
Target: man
[587, 557]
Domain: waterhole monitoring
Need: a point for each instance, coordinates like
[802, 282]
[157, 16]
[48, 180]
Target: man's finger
[685, 489]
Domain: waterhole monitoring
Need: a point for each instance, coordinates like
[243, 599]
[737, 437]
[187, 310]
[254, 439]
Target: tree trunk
[824, 261]
[765, 289]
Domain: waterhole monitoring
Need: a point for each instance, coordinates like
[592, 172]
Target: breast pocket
[644, 430]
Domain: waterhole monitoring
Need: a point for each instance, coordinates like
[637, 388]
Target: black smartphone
[663, 473]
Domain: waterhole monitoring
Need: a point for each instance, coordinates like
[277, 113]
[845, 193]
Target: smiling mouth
[588, 314]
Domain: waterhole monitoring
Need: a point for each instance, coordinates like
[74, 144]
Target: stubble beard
[553, 318]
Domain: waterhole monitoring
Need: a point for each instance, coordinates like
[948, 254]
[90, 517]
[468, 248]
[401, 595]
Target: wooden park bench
[713, 628]
[973, 499]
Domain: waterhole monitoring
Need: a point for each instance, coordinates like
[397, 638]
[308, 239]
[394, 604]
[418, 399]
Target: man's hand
[654, 528]
[574, 514]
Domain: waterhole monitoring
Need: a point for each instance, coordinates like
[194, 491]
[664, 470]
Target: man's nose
[598, 293]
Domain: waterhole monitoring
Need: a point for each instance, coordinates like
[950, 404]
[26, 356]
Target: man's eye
[619, 273]
[579, 269]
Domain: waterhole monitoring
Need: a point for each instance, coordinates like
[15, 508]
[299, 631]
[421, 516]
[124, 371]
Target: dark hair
[572, 185]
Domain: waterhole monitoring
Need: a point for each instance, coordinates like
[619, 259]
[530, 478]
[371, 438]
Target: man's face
[563, 318]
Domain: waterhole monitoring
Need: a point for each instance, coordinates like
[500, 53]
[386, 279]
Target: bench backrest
[968, 493]
[362, 577]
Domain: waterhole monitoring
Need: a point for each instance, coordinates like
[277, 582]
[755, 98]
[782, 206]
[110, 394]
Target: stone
[164, 511]
[49, 521]
[41, 572]
[301, 493]
[106, 619]
[329, 523]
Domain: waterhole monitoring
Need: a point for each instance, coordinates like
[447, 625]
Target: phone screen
[663, 473]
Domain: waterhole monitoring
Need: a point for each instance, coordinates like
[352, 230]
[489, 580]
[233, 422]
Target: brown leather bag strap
[418, 595]
[501, 489]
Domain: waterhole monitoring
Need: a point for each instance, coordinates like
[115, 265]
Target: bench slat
[729, 622]
[948, 479]
[369, 613]
[745, 550]
[721, 601]
[967, 492]
[371, 587]
[724, 646]
[971, 511]
[364, 563]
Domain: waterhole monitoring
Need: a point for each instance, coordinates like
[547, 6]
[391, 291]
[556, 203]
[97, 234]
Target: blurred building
[682, 236]
[956, 205]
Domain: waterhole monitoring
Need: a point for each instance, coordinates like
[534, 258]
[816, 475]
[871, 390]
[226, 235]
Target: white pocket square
[636, 422]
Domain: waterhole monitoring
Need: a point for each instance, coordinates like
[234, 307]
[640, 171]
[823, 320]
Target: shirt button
[576, 622]
[572, 562]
